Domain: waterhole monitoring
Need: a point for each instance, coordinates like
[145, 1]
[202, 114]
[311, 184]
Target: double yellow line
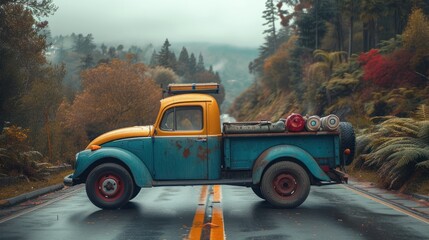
[210, 196]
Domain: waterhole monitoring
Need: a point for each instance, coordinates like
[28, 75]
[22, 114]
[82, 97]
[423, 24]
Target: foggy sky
[233, 22]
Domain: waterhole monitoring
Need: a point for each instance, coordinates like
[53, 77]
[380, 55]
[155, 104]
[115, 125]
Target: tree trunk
[48, 134]
[375, 32]
[317, 24]
[365, 37]
[339, 26]
[350, 51]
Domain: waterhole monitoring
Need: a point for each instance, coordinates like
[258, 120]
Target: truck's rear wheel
[285, 185]
[109, 186]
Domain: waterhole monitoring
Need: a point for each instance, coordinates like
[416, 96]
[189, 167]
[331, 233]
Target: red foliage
[388, 71]
[364, 58]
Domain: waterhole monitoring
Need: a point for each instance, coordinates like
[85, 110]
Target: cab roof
[188, 97]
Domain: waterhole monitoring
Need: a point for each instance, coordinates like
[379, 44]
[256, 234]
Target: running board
[235, 182]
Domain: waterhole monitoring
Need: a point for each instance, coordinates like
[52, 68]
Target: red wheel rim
[285, 184]
[109, 187]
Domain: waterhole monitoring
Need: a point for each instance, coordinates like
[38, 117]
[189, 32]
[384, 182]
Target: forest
[59, 92]
[366, 61]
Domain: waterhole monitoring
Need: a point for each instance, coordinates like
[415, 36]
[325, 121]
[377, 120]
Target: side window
[182, 119]
[167, 123]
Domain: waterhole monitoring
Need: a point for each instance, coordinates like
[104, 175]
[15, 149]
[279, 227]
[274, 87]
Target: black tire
[257, 190]
[135, 192]
[347, 140]
[109, 186]
[285, 185]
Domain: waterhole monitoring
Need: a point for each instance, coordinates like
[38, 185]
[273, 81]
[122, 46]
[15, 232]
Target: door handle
[201, 140]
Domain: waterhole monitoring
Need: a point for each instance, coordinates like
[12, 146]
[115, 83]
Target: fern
[422, 113]
[397, 148]
[411, 155]
[423, 164]
[423, 134]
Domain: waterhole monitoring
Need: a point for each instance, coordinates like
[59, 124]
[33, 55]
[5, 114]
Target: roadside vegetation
[365, 61]
[59, 92]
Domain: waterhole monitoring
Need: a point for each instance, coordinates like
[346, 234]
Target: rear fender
[89, 159]
[287, 151]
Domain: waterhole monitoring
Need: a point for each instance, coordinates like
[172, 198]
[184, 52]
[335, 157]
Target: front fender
[88, 158]
[287, 151]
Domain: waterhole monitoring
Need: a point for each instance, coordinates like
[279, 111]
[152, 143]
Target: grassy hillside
[383, 92]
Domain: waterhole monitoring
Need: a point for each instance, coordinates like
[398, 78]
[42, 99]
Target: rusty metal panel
[214, 153]
[181, 157]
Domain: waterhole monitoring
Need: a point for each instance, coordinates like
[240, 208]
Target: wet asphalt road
[330, 212]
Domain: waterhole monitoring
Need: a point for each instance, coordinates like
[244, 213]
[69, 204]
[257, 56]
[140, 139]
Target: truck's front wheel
[285, 185]
[109, 186]
[257, 190]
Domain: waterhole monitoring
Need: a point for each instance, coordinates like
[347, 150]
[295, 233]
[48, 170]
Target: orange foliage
[15, 134]
[114, 95]
[276, 67]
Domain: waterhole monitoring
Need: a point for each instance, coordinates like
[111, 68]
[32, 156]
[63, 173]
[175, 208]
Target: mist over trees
[59, 92]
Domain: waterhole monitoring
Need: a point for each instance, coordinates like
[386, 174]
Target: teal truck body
[278, 166]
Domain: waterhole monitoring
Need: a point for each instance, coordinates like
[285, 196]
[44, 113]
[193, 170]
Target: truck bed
[242, 149]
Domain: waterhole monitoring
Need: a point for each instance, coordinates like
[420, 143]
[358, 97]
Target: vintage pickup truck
[186, 146]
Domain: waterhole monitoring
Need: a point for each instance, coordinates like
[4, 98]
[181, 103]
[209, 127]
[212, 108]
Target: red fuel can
[295, 123]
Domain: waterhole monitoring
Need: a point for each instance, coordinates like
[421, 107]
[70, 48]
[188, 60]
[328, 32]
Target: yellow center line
[388, 205]
[198, 223]
[217, 231]
[217, 194]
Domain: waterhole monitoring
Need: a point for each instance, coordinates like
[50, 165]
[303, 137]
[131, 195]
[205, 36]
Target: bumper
[68, 180]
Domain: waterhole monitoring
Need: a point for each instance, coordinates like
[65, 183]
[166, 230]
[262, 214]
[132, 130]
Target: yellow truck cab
[185, 146]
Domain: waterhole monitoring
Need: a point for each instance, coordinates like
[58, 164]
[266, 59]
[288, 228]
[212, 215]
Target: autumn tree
[277, 68]
[38, 107]
[163, 76]
[415, 38]
[30, 89]
[117, 94]
[21, 50]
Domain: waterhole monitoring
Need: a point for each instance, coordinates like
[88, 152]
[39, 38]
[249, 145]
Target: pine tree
[103, 49]
[154, 59]
[270, 15]
[200, 65]
[164, 54]
[87, 62]
[183, 62]
[271, 39]
[83, 44]
[172, 61]
[192, 64]
[112, 52]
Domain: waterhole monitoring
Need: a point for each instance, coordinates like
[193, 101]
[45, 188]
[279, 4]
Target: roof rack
[181, 88]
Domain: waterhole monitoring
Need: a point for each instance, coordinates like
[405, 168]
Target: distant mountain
[230, 61]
